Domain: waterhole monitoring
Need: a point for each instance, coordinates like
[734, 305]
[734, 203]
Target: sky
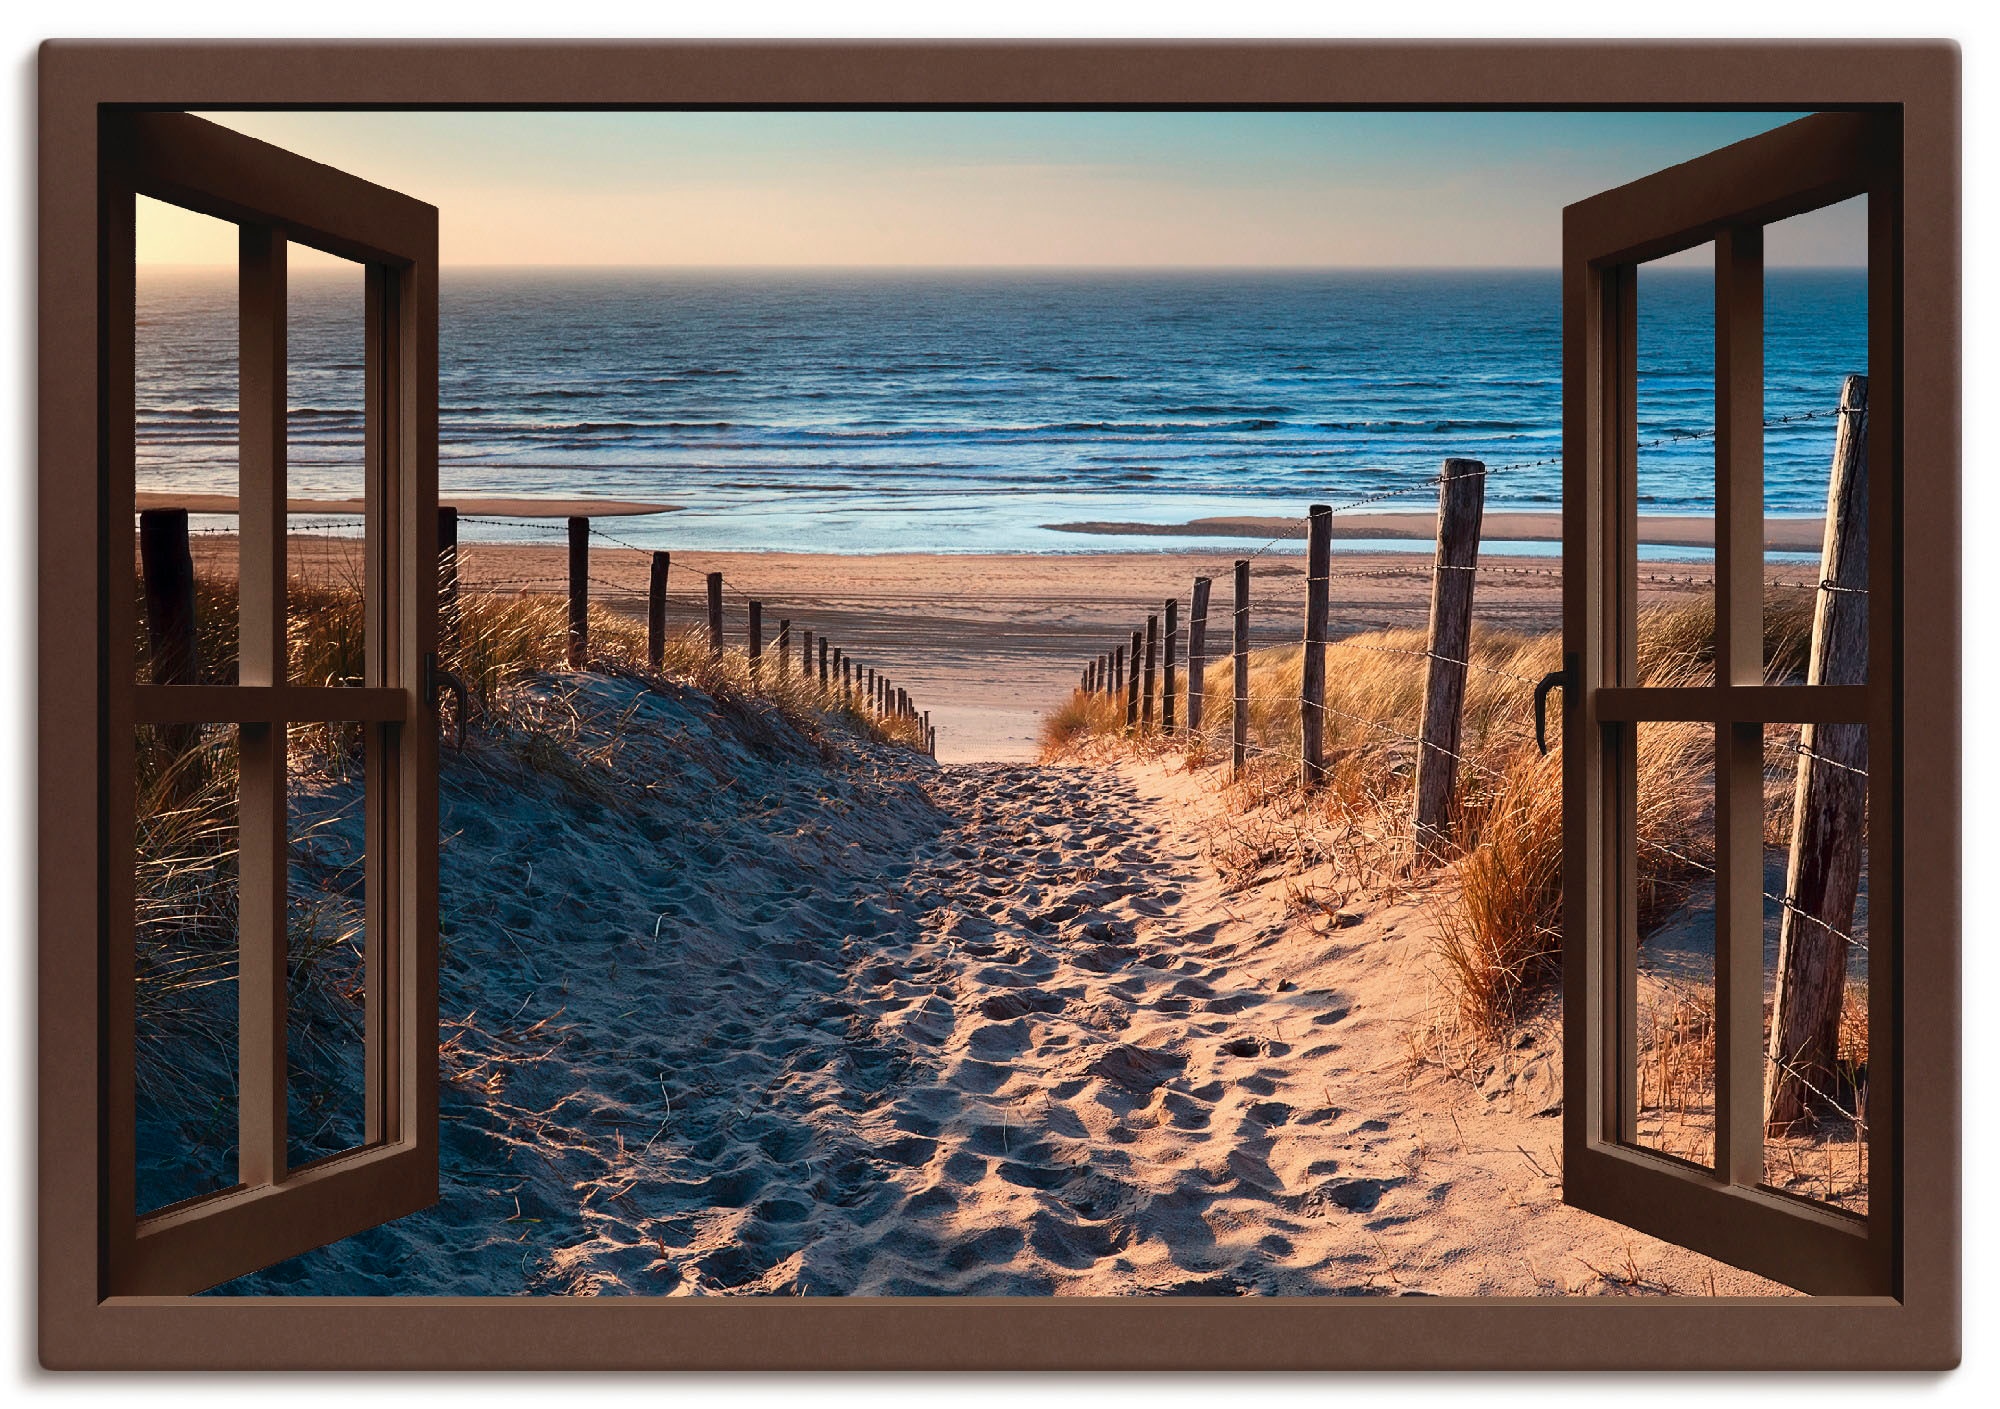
[1049, 189]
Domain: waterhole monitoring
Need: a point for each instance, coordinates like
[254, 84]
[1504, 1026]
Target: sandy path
[727, 1012]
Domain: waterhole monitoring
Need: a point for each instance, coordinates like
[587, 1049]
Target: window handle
[1555, 679]
[436, 677]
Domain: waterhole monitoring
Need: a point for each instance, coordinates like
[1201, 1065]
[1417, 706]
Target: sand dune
[729, 1011]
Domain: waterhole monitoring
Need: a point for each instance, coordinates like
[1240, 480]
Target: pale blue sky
[1060, 188]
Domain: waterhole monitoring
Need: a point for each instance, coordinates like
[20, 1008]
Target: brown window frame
[275, 199]
[78, 1325]
[1726, 197]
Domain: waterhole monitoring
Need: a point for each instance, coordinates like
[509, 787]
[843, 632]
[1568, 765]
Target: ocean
[854, 412]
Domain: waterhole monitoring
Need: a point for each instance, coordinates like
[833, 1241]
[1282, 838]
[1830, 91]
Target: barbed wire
[1784, 902]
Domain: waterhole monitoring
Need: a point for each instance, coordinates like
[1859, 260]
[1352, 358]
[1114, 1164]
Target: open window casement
[280, 1205]
[1718, 1197]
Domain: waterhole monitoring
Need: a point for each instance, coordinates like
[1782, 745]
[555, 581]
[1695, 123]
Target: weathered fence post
[579, 590]
[784, 646]
[1312, 679]
[166, 568]
[1167, 674]
[824, 647]
[1118, 672]
[447, 572]
[715, 614]
[1152, 657]
[1197, 663]
[166, 564]
[756, 638]
[1132, 687]
[1461, 503]
[1239, 722]
[656, 612]
[1829, 802]
[806, 654]
[1104, 673]
[870, 695]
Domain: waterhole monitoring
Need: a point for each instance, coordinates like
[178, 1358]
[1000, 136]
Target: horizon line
[1051, 268]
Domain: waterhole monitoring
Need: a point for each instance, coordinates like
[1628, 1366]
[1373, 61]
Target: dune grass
[185, 879]
[1500, 936]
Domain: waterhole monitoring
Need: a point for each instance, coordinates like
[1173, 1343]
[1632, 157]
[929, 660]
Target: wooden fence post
[447, 572]
[806, 654]
[166, 569]
[1312, 679]
[715, 614]
[1829, 803]
[1104, 673]
[784, 646]
[1461, 503]
[166, 564]
[1239, 723]
[870, 696]
[1167, 673]
[824, 647]
[756, 639]
[656, 612]
[579, 590]
[1132, 687]
[1152, 657]
[1197, 663]
[1118, 672]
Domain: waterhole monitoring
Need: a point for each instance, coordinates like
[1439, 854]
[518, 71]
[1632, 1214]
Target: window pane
[1676, 469]
[1816, 961]
[1673, 1085]
[1815, 340]
[326, 1023]
[185, 355]
[185, 936]
[326, 451]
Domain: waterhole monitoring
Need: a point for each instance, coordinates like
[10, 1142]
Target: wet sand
[1801, 535]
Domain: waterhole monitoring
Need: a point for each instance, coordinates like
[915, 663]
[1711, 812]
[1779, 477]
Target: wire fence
[1496, 776]
[847, 681]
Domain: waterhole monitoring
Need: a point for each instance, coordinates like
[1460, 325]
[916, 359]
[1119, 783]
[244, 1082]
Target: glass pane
[1816, 961]
[184, 962]
[326, 1023]
[326, 333]
[1676, 469]
[185, 472]
[1674, 1081]
[1815, 341]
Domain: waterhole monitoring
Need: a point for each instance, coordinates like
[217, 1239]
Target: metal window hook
[1555, 679]
[436, 676]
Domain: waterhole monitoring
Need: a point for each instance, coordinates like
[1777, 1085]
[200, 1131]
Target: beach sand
[989, 642]
[728, 1013]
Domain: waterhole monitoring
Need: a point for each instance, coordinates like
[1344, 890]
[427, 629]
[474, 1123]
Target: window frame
[274, 199]
[1918, 1326]
[1727, 197]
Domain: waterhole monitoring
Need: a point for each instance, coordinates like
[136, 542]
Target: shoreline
[495, 505]
[1792, 535]
[989, 642]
